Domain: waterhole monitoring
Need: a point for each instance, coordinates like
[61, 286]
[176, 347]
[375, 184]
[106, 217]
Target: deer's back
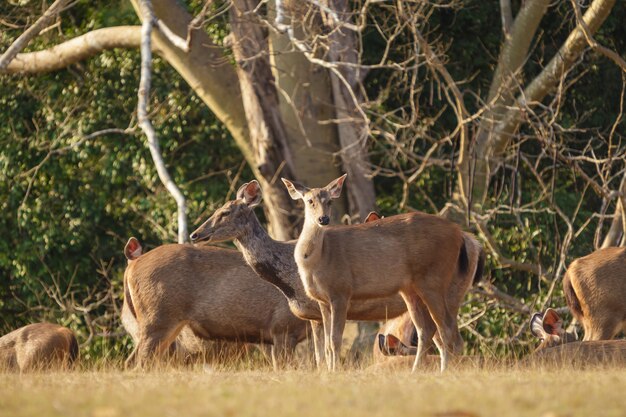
[211, 288]
[599, 280]
[38, 345]
[394, 249]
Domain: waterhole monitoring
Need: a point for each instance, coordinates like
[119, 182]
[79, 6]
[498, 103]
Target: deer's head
[317, 201]
[229, 221]
[548, 327]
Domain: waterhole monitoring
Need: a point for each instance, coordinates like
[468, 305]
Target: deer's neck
[309, 247]
[274, 262]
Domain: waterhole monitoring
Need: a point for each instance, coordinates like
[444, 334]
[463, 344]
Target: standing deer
[38, 346]
[416, 255]
[210, 290]
[274, 262]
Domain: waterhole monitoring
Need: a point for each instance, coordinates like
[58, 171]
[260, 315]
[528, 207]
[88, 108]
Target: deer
[274, 262]
[559, 347]
[595, 292]
[38, 346]
[415, 255]
[210, 290]
[397, 337]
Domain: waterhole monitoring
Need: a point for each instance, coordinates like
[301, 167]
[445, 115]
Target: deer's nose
[324, 220]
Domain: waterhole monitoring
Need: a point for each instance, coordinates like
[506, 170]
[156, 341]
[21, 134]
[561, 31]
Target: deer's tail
[128, 299]
[74, 349]
[572, 299]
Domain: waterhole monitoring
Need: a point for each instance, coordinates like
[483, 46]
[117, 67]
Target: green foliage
[66, 215]
[68, 205]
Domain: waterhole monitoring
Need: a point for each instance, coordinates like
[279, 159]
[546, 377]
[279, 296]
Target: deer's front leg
[326, 320]
[317, 329]
[338, 312]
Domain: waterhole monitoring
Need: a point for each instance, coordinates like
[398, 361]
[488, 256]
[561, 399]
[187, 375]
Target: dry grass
[201, 391]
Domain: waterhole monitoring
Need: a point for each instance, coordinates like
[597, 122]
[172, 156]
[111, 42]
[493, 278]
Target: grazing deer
[38, 346]
[210, 290]
[559, 347]
[416, 255]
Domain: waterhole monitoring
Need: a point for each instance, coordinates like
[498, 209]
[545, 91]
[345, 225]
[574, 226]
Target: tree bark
[74, 50]
[260, 100]
[306, 107]
[215, 80]
[351, 124]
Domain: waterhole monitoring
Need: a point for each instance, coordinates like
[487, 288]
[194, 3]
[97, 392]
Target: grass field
[205, 392]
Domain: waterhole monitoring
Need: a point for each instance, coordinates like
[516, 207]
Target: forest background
[505, 116]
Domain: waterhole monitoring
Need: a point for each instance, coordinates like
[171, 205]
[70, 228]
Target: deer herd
[412, 270]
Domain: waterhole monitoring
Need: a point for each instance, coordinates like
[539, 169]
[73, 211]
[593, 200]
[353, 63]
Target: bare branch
[145, 124]
[23, 40]
[506, 12]
[75, 50]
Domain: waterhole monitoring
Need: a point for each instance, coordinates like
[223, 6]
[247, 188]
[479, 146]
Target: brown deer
[38, 346]
[274, 261]
[397, 337]
[210, 290]
[559, 347]
[416, 255]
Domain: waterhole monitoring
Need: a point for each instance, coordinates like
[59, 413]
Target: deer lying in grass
[595, 291]
[38, 346]
[210, 290]
[397, 337]
[416, 255]
[558, 347]
[274, 262]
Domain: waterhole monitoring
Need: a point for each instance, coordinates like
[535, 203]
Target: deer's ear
[536, 326]
[296, 190]
[393, 343]
[334, 188]
[250, 193]
[133, 249]
[372, 217]
[552, 323]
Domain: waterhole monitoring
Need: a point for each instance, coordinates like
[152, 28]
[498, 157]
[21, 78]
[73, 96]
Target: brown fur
[212, 291]
[402, 327]
[595, 290]
[38, 346]
[414, 254]
[581, 354]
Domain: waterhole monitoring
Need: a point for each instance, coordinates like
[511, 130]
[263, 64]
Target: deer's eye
[225, 214]
[310, 201]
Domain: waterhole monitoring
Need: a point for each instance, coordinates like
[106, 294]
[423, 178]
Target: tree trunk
[493, 137]
[352, 125]
[306, 107]
[214, 79]
[260, 100]
[506, 79]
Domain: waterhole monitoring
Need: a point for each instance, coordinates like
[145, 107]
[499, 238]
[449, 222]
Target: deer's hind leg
[154, 341]
[424, 325]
